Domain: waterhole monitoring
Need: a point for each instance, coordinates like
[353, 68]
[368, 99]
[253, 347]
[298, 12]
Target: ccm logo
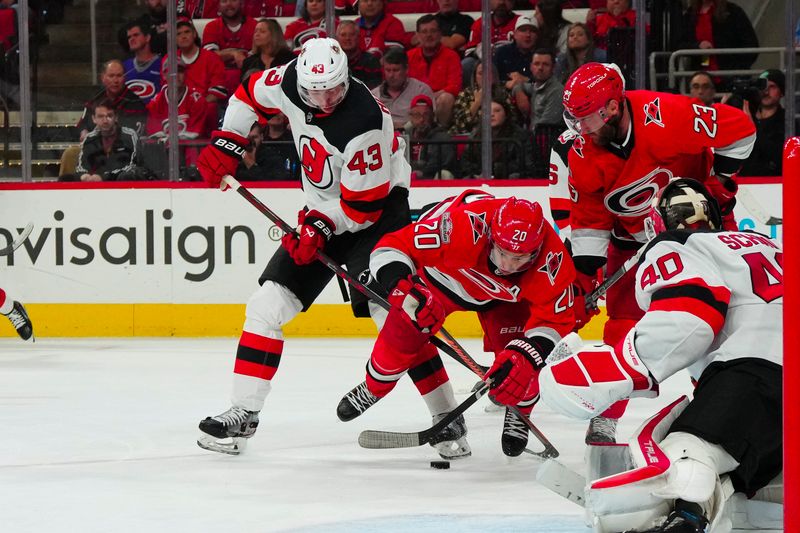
[229, 146]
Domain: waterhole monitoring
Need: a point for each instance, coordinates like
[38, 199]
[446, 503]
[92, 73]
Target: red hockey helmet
[683, 204]
[586, 94]
[517, 234]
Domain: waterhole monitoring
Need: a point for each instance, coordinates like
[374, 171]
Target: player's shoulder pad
[679, 236]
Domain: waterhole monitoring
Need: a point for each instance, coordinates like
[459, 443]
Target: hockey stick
[756, 209]
[601, 290]
[374, 439]
[23, 236]
[563, 481]
[447, 344]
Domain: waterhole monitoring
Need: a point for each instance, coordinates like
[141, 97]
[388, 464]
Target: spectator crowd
[430, 79]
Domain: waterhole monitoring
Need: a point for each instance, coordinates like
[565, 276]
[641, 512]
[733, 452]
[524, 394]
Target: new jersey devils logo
[635, 198]
[652, 113]
[316, 163]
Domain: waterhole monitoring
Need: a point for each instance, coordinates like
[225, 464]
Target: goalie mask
[322, 74]
[683, 204]
[517, 234]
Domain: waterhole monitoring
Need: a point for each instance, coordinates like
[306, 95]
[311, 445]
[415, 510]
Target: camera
[747, 90]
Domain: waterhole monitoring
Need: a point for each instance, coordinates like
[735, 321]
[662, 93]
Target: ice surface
[99, 436]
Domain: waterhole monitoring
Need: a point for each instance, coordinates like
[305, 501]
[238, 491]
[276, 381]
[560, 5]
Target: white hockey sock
[441, 399]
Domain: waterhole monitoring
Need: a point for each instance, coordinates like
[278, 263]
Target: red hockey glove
[584, 284]
[315, 230]
[422, 308]
[724, 188]
[514, 372]
[221, 156]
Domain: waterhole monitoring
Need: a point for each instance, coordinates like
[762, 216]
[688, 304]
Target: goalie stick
[448, 344]
[375, 439]
[23, 236]
[756, 209]
[601, 290]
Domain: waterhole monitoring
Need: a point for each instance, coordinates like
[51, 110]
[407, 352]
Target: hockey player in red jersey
[714, 306]
[17, 315]
[355, 178]
[474, 252]
[630, 145]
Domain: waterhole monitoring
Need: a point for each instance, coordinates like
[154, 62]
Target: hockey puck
[440, 465]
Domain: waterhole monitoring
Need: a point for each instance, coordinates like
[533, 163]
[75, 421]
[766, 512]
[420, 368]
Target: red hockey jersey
[670, 136]
[191, 114]
[448, 247]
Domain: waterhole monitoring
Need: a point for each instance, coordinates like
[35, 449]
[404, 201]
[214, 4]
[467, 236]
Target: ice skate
[451, 442]
[355, 402]
[515, 435]
[687, 517]
[21, 322]
[229, 431]
[602, 430]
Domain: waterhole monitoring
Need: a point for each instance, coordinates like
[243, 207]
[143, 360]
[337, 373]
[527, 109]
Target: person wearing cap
[770, 120]
[429, 161]
[192, 111]
[513, 60]
[436, 65]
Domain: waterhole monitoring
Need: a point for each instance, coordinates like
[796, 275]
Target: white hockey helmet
[322, 74]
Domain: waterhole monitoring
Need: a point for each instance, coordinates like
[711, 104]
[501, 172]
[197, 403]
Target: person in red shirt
[230, 36]
[618, 13]
[496, 256]
[199, 9]
[436, 65]
[311, 24]
[192, 111]
[379, 29]
[630, 145]
[502, 25]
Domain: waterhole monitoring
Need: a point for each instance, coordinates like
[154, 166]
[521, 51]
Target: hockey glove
[584, 284]
[315, 230]
[221, 157]
[588, 382]
[416, 300]
[514, 372]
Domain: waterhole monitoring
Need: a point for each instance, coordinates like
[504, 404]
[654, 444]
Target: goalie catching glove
[315, 230]
[420, 306]
[221, 157]
[588, 382]
[514, 371]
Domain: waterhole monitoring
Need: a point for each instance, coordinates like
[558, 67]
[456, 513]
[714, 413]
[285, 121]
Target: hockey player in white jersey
[714, 305]
[355, 179]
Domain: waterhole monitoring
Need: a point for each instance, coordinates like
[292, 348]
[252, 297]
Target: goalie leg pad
[695, 466]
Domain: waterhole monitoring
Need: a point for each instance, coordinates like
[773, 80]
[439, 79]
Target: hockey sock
[6, 304]
[428, 371]
[257, 359]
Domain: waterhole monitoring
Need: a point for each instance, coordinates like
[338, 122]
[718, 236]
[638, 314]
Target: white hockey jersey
[351, 158]
[709, 296]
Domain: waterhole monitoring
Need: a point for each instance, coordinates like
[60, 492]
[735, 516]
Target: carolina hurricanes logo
[316, 163]
[577, 145]
[144, 89]
[635, 198]
[652, 113]
[551, 266]
[478, 223]
[495, 290]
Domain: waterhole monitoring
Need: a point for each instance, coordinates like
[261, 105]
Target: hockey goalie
[714, 306]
